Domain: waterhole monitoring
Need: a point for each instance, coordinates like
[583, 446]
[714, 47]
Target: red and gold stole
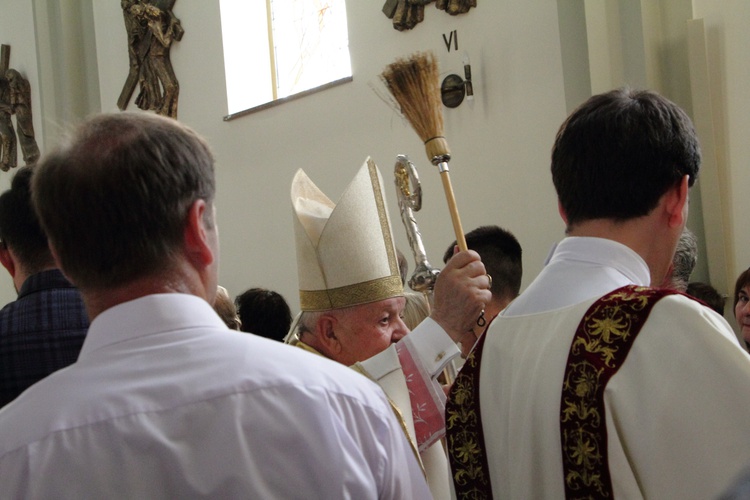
[464, 435]
[599, 348]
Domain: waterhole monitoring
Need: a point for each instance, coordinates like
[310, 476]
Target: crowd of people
[126, 369]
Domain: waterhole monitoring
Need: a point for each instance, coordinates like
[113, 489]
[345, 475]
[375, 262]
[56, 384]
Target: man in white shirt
[591, 383]
[165, 401]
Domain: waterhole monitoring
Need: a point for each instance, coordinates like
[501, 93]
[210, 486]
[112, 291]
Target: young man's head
[619, 153]
[264, 312]
[126, 196]
[23, 245]
[501, 256]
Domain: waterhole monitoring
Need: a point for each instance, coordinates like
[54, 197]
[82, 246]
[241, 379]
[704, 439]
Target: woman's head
[742, 303]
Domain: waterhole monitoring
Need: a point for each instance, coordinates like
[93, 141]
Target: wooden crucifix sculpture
[15, 99]
[151, 28]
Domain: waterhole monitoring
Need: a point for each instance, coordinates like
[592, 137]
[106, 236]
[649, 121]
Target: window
[274, 49]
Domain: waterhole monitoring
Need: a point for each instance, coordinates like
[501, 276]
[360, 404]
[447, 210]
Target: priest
[592, 384]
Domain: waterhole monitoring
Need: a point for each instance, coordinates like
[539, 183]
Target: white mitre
[345, 251]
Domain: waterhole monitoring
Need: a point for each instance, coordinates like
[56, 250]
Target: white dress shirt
[165, 402]
[580, 268]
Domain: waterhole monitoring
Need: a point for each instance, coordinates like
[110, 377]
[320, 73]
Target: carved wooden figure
[20, 100]
[408, 13]
[152, 28]
[15, 99]
[7, 132]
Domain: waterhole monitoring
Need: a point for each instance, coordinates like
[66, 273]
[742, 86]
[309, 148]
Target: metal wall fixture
[454, 88]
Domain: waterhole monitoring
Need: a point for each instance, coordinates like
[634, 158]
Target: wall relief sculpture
[151, 28]
[408, 13]
[15, 99]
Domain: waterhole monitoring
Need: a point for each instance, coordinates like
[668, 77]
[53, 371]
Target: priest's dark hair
[619, 152]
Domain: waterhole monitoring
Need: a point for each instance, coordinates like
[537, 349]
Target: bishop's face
[368, 329]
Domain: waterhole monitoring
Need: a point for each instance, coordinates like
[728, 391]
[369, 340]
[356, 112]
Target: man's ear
[325, 331]
[197, 240]
[676, 203]
[6, 259]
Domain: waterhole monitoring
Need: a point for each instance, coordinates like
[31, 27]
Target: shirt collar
[44, 280]
[149, 315]
[603, 252]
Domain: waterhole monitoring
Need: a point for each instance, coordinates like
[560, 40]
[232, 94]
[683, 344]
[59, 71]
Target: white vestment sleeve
[431, 347]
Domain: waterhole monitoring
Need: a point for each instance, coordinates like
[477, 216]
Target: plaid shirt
[40, 332]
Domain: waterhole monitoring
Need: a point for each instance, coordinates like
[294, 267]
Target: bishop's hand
[460, 295]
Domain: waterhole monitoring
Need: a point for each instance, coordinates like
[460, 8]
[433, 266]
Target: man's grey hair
[307, 321]
[685, 259]
[114, 197]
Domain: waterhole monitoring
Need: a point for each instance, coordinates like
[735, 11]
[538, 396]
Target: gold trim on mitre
[360, 293]
[345, 251]
[385, 225]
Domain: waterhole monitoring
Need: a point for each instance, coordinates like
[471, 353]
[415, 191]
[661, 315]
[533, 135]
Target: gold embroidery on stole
[599, 348]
